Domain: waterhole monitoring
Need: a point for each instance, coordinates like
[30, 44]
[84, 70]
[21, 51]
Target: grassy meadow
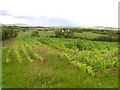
[46, 61]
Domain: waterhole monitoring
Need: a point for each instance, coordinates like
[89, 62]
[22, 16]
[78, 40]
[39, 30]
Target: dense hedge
[107, 38]
[8, 32]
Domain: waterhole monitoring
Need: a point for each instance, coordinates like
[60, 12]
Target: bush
[8, 32]
[64, 33]
[35, 34]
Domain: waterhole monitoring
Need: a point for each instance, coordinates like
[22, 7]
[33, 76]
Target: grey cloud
[43, 20]
[24, 17]
[46, 21]
[5, 13]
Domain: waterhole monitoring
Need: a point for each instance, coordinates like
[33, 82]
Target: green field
[87, 35]
[44, 62]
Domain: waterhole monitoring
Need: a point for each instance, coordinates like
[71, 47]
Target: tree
[35, 34]
[64, 33]
[8, 32]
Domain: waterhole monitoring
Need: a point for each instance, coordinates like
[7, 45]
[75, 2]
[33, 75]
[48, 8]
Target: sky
[60, 12]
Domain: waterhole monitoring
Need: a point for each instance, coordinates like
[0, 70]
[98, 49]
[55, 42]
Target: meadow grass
[87, 35]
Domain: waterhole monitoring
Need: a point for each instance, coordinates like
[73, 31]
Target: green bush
[35, 34]
[8, 32]
[64, 33]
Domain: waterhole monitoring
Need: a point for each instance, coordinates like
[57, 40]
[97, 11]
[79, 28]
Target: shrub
[8, 32]
[64, 33]
[35, 34]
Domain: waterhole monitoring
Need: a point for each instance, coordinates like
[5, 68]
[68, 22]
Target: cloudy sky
[60, 12]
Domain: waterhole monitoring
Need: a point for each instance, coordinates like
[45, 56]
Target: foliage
[18, 56]
[35, 55]
[8, 32]
[63, 33]
[35, 34]
[108, 38]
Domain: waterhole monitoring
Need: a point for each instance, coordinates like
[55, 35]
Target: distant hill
[16, 24]
[26, 25]
[102, 27]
